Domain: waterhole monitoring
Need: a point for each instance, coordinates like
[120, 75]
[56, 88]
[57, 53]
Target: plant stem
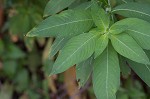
[109, 3]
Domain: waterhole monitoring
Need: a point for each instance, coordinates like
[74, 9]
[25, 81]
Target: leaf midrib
[126, 46]
[105, 27]
[90, 5]
[75, 51]
[64, 24]
[124, 1]
[139, 32]
[147, 67]
[102, 43]
[131, 11]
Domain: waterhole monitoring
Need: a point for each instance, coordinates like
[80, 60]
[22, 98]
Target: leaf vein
[131, 11]
[76, 51]
[65, 24]
[126, 46]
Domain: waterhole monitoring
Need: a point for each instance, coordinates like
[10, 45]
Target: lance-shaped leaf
[83, 71]
[136, 10]
[100, 17]
[106, 74]
[58, 45]
[54, 6]
[76, 50]
[137, 28]
[127, 47]
[101, 44]
[124, 68]
[142, 70]
[65, 24]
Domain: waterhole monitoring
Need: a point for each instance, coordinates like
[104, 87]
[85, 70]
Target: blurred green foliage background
[24, 62]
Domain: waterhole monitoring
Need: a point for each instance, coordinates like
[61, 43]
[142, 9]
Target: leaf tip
[53, 71]
[31, 33]
[50, 74]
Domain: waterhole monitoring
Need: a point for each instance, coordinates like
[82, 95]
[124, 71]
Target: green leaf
[15, 22]
[22, 80]
[85, 6]
[100, 17]
[120, 26]
[123, 1]
[127, 47]
[47, 67]
[77, 3]
[14, 52]
[137, 10]
[125, 70]
[29, 43]
[33, 94]
[10, 68]
[142, 70]
[103, 2]
[54, 6]
[67, 23]
[143, 1]
[77, 49]
[58, 45]
[135, 93]
[137, 28]
[122, 94]
[106, 74]
[141, 34]
[101, 44]
[129, 23]
[83, 71]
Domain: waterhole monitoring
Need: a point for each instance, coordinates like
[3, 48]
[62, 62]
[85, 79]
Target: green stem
[109, 3]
